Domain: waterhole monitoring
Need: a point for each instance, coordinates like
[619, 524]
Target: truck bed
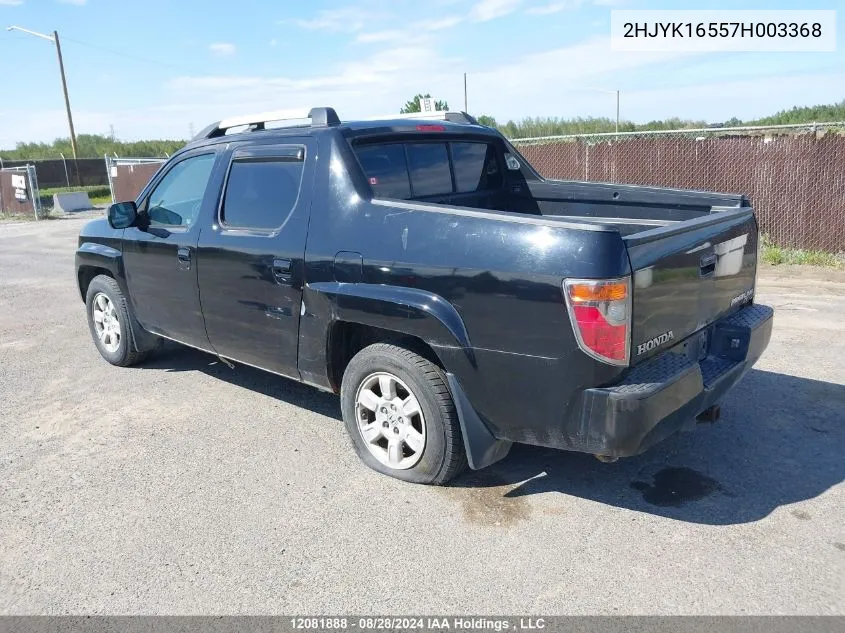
[692, 254]
[627, 209]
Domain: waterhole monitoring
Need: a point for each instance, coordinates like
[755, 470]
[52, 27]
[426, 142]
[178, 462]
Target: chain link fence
[19, 192]
[65, 171]
[128, 176]
[794, 175]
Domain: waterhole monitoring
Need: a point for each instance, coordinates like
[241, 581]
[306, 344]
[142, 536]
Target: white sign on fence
[18, 181]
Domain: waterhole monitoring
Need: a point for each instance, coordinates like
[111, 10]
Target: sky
[162, 68]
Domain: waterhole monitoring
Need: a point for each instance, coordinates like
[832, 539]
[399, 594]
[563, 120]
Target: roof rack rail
[320, 117]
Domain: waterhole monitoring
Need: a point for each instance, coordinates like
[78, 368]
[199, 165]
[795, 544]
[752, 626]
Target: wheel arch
[94, 259]
[347, 338]
[339, 319]
[342, 316]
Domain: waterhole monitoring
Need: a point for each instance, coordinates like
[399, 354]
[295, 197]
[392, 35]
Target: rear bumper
[666, 393]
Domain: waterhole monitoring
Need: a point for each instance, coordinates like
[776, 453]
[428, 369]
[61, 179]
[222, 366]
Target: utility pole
[55, 39]
[67, 101]
[466, 107]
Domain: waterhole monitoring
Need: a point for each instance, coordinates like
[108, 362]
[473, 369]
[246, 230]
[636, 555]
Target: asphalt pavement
[185, 487]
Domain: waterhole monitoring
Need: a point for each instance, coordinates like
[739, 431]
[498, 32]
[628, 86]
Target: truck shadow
[781, 440]
[174, 358]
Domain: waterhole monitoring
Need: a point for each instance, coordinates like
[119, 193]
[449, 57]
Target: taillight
[601, 317]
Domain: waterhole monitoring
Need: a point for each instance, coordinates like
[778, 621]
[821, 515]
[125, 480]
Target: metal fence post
[586, 161]
[108, 175]
[64, 162]
[32, 177]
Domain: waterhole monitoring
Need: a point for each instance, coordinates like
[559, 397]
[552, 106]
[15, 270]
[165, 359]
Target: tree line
[92, 146]
[96, 145]
[552, 126]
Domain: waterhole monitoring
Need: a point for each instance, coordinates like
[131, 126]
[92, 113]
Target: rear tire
[109, 321]
[400, 415]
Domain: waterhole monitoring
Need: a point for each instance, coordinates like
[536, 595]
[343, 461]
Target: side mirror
[122, 215]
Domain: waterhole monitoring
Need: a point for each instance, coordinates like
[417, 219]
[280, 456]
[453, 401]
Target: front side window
[261, 191]
[177, 198]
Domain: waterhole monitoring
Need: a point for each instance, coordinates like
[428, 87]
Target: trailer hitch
[710, 414]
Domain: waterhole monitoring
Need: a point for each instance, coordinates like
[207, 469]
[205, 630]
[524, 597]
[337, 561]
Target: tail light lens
[601, 317]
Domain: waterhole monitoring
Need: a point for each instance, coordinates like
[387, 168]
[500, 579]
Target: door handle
[183, 254]
[707, 265]
[281, 271]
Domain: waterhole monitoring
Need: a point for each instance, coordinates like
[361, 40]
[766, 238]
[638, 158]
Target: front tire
[109, 322]
[400, 415]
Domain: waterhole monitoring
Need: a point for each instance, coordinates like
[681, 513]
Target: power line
[129, 56]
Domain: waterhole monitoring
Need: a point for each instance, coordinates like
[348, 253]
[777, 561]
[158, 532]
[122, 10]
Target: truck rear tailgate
[687, 275]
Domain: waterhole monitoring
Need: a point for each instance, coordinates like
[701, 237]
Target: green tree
[487, 120]
[414, 104]
[555, 126]
[805, 114]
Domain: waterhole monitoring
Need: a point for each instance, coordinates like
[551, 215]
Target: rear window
[429, 166]
[411, 170]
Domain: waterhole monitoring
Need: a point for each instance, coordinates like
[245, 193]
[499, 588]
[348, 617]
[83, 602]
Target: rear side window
[261, 191]
[386, 170]
[429, 166]
[475, 166]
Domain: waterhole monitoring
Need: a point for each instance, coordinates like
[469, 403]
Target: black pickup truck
[457, 301]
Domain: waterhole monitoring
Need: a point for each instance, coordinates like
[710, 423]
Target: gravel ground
[185, 487]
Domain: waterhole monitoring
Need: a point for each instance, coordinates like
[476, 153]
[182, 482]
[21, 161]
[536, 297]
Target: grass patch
[103, 199]
[776, 255]
[49, 191]
[5, 216]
